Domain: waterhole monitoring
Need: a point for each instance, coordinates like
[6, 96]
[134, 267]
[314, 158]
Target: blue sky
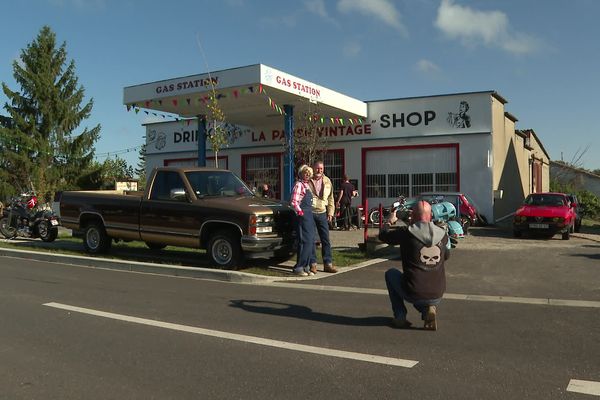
[543, 57]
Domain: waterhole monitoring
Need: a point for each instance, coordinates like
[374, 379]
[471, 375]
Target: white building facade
[462, 142]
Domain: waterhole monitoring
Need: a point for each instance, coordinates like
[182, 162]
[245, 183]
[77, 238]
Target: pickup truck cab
[202, 208]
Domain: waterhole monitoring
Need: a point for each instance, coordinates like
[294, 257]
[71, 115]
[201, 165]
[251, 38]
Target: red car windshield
[549, 200]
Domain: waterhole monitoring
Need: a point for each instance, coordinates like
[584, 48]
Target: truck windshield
[217, 183]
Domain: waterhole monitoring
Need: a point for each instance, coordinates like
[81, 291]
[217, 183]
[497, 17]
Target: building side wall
[579, 180]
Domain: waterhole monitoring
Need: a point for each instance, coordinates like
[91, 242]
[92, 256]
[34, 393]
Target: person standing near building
[301, 201]
[422, 280]
[267, 192]
[323, 210]
[344, 202]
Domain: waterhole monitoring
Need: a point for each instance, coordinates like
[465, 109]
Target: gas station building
[463, 142]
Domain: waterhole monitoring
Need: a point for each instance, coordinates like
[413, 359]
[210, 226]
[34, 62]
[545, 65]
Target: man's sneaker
[300, 273]
[430, 323]
[401, 323]
[313, 268]
[330, 268]
[310, 273]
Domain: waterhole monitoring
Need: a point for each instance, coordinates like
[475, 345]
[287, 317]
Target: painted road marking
[398, 362]
[449, 296]
[584, 387]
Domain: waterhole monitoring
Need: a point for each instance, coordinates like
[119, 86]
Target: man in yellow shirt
[323, 210]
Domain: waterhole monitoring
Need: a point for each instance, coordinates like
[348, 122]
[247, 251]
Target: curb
[137, 266]
[170, 270]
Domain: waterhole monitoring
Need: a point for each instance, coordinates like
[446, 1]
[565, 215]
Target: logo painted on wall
[159, 139]
[460, 119]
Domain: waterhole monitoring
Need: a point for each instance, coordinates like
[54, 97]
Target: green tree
[141, 168]
[104, 175]
[41, 150]
[220, 133]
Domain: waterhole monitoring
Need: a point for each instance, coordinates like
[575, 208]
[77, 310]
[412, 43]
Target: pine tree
[141, 168]
[41, 149]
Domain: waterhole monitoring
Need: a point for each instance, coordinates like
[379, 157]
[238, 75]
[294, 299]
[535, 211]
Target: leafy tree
[104, 176]
[41, 149]
[220, 133]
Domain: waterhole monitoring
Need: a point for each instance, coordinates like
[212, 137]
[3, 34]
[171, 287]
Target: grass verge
[171, 255]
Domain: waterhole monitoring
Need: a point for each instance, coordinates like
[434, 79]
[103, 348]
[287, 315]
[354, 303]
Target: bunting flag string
[236, 94]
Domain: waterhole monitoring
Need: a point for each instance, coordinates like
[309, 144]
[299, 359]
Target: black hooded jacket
[423, 251]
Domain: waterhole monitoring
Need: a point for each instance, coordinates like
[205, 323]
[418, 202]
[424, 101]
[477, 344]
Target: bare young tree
[310, 143]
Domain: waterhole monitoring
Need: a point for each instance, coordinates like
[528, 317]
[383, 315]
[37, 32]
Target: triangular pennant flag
[146, 112]
[128, 108]
[360, 120]
[155, 114]
[160, 102]
[351, 121]
[175, 102]
[137, 110]
[322, 120]
[164, 116]
[260, 88]
[188, 122]
[342, 121]
[188, 101]
[270, 102]
[251, 89]
[148, 104]
[235, 94]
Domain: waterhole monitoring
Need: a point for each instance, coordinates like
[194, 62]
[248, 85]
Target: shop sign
[453, 114]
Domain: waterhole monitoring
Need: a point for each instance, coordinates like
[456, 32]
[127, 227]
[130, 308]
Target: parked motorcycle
[401, 207]
[23, 217]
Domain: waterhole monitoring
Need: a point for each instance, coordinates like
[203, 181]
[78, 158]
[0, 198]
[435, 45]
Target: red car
[546, 213]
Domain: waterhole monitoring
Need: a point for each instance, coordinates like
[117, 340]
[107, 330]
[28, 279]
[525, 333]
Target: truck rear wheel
[95, 239]
[225, 250]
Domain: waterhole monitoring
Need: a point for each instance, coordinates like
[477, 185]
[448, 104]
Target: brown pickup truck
[203, 208]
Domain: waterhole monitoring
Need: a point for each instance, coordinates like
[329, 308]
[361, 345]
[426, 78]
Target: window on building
[333, 162]
[398, 184]
[376, 186]
[445, 182]
[422, 182]
[262, 168]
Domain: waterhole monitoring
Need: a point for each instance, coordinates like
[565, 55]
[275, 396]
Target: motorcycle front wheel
[374, 217]
[48, 233]
[7, 231]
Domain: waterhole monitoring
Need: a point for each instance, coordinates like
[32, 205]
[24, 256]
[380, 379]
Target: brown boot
[429, 319]
[313, 268]
[330, 268]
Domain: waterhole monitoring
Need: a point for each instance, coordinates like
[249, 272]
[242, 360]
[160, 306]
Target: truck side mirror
[178, 194]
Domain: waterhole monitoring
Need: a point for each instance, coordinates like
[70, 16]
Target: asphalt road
[71, 332]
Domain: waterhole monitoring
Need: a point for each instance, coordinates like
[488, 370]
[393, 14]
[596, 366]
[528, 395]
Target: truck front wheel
[225, 250]
[95, 239]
